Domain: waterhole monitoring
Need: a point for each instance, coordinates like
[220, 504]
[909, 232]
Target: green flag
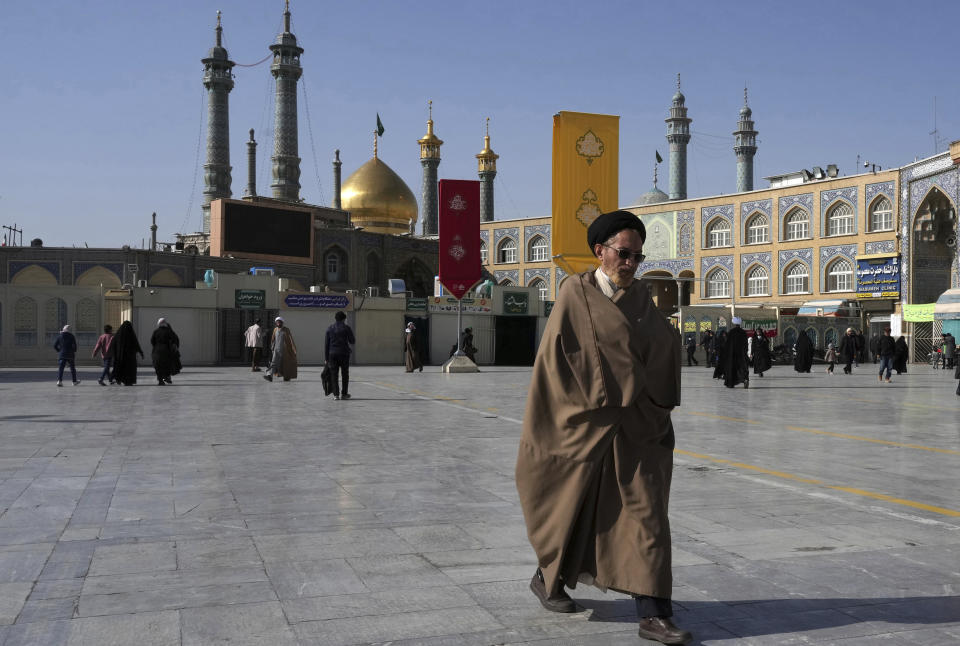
[659, 158]
[379, 126]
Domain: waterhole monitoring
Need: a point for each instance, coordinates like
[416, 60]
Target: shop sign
[517, 303]
[919, 313]
[878, 277]
[416, 305]
[321, 301]
[249, 299]
[471, 305]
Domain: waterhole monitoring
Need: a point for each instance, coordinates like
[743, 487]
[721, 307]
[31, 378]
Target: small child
[831, 358]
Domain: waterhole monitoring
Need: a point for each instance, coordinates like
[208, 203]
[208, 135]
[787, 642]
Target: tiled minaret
[745, 147]
[251, 166]
[430, 160]
[286, 69]
[487, 169]
[218, 79]
[678, 134]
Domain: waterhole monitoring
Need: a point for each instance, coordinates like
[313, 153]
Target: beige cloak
[596, 455]
[288, 361]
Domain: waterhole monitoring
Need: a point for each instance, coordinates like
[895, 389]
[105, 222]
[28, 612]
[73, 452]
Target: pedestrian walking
[411, 349]
[861, 345]
[887, 348]
[875, 347]
[104, 348]
[336, 350]
[803, 353]
[253, 338]
[762, 360]
[719, 341]
[283, 353]
[956, 375]
[66, 345]
[949, 350]
[691, 349]
[707, 344]
[900, 354]
[165, 353]
[830, 357]
[596, 454]
[736, 369]
[848, 350]
[126, 347]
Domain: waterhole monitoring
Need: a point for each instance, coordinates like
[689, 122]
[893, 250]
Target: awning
[826, 308]
[947, 307]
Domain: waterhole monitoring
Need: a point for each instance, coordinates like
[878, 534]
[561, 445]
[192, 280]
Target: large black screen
[249, 228]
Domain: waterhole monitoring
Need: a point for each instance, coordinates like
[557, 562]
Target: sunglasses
[626, 253]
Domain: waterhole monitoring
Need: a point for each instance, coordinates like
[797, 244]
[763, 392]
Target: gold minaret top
[487, 159]
[430, 143]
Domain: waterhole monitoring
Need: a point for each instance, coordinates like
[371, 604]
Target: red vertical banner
[459, 247]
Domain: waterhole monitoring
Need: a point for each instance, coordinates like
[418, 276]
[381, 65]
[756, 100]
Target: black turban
[610, 224]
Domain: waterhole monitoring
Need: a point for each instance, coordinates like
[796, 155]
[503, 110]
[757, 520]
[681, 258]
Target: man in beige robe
[596, 455]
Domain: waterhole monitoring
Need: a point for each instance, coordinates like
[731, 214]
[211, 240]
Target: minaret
[251, 166]
[286, 69]
[487, 169]
[745, 147]
[430, 160]
[218, 79]
[678, 134]
[337, 204]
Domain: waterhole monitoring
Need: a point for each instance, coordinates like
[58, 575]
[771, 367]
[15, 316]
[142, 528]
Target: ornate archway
[934, 247]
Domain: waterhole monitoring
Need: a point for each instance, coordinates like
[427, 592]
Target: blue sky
[103, 103]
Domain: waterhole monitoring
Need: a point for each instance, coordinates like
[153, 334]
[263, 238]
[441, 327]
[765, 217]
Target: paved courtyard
[226, 510]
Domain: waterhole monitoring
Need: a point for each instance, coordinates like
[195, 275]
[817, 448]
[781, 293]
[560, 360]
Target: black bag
[327, 380]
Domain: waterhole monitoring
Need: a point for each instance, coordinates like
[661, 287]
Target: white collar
[607, 286]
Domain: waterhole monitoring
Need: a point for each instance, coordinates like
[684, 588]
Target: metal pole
[459, 352]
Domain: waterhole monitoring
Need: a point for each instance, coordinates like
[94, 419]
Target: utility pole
[11, 238]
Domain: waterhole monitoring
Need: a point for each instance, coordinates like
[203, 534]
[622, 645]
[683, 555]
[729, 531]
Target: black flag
[659, 158]
[380, 126]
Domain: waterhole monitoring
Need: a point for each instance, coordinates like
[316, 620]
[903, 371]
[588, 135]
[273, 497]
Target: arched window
[483, 252]
[830, 336]
[506, 282]
[881, 215]
[54, 318]
[798, 279]
[25, 322]
[840, 219]
[537, 250]
[790, 337]
[542, 288]
[758, 229]
[334, 265]
[812, 333]
[718, 283]
[758, 281]
[797, 224]
[86, 316]
[718, 233]
[840, 276]
[373, 270]
[507, 251]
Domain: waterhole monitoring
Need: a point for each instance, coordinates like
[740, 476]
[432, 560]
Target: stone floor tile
[133, 558]
[250, 624]
[12, 598]
[143, 629]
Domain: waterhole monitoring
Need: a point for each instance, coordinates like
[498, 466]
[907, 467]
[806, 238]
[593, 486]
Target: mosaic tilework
[829, 198]
[674, 267]
[512, 274]
[708, 213]
[880, 188]
[500, 234]
[530, 231]
[530, 274]
[884, 246]
[934, 165]
[685, 241]
[707, 264]
[829, 254]
[181, 272]
[784, 204]
[911, 197]
[485, 236]
[80, 267]
[15, 266]
[370, 240]
[763, 206]
[747, 259]
[946, 182]
[784, 258]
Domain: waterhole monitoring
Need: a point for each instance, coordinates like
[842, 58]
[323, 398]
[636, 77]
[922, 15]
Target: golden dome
[378, 200]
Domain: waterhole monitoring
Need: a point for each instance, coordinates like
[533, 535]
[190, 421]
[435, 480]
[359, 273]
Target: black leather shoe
[661, 629]
[559, 602]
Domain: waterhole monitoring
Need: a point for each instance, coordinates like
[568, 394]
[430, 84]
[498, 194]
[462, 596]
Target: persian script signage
[249, 299]
[322, 301]
[459, 239]
[878, 277]
[449, 304]
[918, 313]
[416, 305]
[516, 303]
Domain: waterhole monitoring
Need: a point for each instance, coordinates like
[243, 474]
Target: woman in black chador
[125, 350]
[900, 353]
[803, 360]
[166, 352]
[760, 348]
[718, 343]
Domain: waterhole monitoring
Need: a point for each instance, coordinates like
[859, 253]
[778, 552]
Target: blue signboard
[878, 277]
[325, 301]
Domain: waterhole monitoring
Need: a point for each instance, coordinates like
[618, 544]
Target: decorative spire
[286, 17]
[376, 137]
[219, 30]
[487, 169]
[655, 167]
[678, 81]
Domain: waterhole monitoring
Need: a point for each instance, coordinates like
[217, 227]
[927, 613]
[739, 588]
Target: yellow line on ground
[789, 476]
[861, 438]
[729, 419]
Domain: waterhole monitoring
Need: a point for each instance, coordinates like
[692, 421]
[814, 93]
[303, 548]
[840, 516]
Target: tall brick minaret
[286, 69]
[429, 160]
[678, 135]
[218, 79]
[487, 169]
[745, 147]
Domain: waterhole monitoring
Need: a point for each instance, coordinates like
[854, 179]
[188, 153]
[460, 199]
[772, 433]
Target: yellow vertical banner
[586, 155]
